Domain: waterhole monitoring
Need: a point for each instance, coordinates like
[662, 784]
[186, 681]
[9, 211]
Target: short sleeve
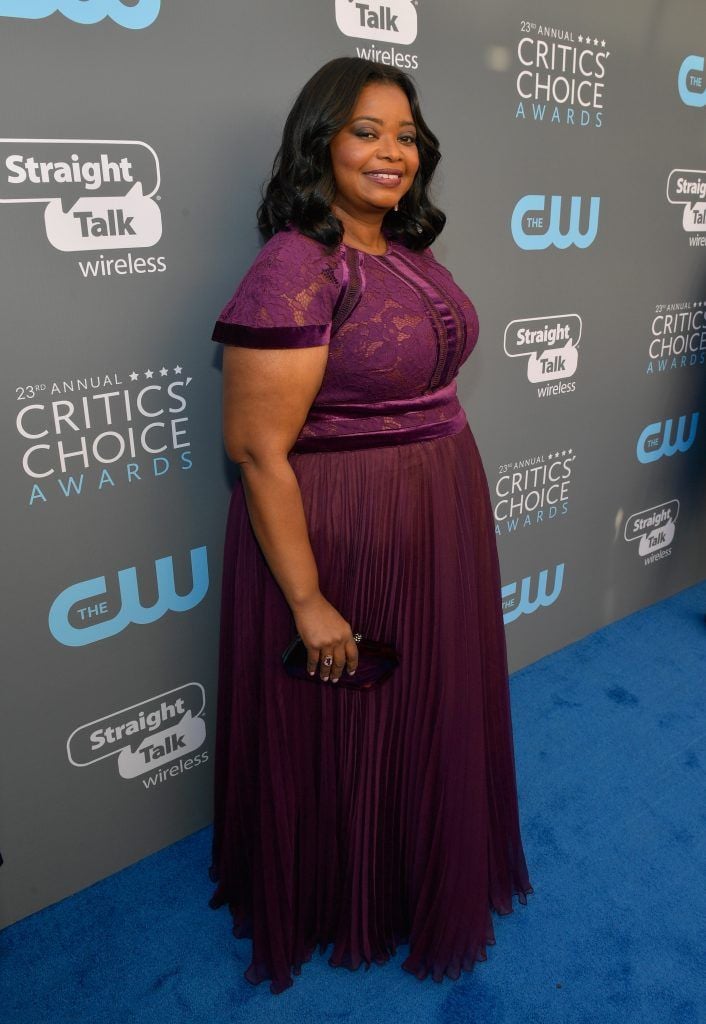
[287, 298]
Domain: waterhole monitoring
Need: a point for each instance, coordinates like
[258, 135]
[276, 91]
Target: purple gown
[368, 819]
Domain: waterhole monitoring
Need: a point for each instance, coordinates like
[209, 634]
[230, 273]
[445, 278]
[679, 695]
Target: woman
[359, 818]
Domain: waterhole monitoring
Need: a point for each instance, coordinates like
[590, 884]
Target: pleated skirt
[386, 816]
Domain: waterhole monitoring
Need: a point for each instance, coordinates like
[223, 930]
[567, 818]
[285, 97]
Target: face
[375, 155]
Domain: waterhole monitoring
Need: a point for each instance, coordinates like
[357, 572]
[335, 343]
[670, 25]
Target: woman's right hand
[325, 632]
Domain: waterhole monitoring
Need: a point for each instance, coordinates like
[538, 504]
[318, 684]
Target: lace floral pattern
[406, 338]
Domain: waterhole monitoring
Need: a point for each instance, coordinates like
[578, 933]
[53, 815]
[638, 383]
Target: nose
[389, 148]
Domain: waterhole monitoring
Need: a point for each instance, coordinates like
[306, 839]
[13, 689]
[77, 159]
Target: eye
[409, 138]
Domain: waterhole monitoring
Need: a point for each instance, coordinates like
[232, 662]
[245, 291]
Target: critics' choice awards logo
[550, 346]
[690, 81]
[97, 194]
[687, 189]
[654, 530]
[539, 222]
[532, 491]
[677, 337]
[561, 77]
[133, 14]
[101, 432]
[394, 22]
[666, 439]
[528, 595]
[86, 612]
[146, 736]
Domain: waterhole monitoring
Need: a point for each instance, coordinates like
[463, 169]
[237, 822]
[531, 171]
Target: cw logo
[656, 441]
[85, 12]
[80, 599]
[526, 604]
[529, 213]
[690, 81]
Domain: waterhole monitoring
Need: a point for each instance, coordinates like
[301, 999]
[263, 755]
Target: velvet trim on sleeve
[287, 298]
[271, 337]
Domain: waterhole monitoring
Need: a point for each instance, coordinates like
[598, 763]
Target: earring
[397, 206]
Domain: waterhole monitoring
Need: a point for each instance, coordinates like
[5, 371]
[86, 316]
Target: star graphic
[595, 42]
[148, 374]
[563, 453]
[603, 42]
[134, 376]
[177, 369]
[580, 39]
[163, 372]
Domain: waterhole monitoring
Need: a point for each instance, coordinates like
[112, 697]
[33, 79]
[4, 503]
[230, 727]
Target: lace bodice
[392, 363]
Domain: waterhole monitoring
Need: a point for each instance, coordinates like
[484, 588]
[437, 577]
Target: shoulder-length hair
[302, 185]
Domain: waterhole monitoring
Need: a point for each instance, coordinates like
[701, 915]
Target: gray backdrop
[135, 140]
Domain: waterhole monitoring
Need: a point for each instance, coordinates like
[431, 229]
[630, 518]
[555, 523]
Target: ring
[328, 659]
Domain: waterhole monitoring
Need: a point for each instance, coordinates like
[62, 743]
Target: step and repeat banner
[135, 140]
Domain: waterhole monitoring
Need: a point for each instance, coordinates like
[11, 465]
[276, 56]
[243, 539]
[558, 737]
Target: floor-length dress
[368, 819]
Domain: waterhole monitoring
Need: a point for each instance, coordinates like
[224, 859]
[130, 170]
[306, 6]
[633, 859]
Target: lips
[389, 178]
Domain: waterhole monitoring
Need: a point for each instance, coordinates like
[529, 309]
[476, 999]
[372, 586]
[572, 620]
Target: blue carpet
[610, 751]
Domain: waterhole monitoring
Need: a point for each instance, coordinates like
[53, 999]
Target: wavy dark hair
[302, 185]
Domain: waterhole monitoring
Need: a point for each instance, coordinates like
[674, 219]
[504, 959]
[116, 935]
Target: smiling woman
[373, 153]
[362, 818]
[357, 120]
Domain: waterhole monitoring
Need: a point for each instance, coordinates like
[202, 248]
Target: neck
[362, 232]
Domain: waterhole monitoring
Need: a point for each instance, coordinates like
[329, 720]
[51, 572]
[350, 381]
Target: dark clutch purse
[376, 663]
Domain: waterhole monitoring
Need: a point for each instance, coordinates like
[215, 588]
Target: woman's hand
[325, 632]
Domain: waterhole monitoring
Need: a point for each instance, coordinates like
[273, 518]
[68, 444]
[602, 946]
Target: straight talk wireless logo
[687, 188]
[147, 738]
[98, 194]
[550, 347]
[393, 23]
[654, 530]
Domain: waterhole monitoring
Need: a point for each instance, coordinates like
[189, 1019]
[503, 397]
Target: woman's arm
[267, 394]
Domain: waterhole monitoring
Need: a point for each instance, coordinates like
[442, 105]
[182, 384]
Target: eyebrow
[377, 120]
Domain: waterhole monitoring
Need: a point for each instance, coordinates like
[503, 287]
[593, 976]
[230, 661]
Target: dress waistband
[345, 426]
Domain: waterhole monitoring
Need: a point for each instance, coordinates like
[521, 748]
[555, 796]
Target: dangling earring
[397, 206]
